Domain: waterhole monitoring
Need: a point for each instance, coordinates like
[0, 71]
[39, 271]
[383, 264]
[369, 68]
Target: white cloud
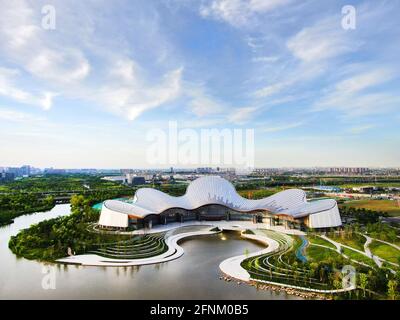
[10, 90]
[203, 104]
[271, 89]
[360, 105]
[16, 26]
[324, 40]
[47, 101]
[267, 59]
[64, 66]
[60, 60]
[242, 115]
[363, 81]
[125, 70]
[132, 99]
[26, 44]
[353, 96]
[238, 12]
[283, 127]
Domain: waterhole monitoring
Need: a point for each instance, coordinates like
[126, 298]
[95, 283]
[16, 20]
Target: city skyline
[84, 94]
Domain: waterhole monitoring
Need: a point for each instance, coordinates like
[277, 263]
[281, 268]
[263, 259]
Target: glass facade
[215, 212]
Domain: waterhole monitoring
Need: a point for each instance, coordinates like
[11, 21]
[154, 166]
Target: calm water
[193, 276]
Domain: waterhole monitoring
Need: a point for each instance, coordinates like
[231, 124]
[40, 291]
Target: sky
[86, 93]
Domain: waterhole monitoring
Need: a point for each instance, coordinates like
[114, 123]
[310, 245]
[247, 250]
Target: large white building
[214, 198]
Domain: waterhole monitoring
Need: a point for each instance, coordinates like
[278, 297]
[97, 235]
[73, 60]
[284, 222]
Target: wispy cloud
[286, 68]
[26, 44]
[324, 40]
[135, 97]
[242, 115]
[203, 104]
[10, 90]
[239, 12]
[359, 94]
[57, 60]
[268, 59]
[283, 127]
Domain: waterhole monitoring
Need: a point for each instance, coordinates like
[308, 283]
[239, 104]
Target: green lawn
[319, 240]
[375, 184]
[355, 240]
[385, 251]
[388, 206]
[315, 253]
[358, 256]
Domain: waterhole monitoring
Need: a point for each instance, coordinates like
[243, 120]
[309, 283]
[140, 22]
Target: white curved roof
[216, 190]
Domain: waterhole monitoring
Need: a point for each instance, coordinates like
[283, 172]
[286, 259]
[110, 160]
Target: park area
[392, 207]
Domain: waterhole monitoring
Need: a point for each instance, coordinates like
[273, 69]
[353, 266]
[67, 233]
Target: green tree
[363, 282]
[392, 289]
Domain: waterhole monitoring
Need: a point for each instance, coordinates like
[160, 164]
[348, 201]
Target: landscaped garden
[307, 261]
[354, 255]
[314, 239]
[349, 237]
[383, 232]
[316, 254]
[284, 267]
[138, 247]
[322, 268]
[385, 251]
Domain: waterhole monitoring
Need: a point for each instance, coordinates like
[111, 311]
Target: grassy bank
[13, 206]
[350, 239]
[385, 251]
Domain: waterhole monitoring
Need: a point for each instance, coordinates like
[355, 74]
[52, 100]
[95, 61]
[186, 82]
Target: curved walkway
[366, 246]
[367, 252]
[388, 243]
[378, 261]
[336, 244]
[232, 266]
[174, 250]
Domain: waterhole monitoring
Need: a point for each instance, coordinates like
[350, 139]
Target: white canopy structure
[214, 190]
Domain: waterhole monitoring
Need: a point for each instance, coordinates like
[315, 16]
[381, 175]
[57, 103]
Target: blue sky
[84, 94]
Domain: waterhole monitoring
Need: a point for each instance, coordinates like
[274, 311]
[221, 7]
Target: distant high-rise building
[6, 176]
[206, 170]
[54, 171]
[348, 170]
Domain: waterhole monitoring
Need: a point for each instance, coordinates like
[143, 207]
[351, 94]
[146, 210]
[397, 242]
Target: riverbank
[278, 289]
[7, 218]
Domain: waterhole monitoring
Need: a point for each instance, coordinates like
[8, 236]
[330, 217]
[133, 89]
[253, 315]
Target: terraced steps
[138, 247]
[275, 266]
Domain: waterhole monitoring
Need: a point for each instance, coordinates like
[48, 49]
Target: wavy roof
[216, 190]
